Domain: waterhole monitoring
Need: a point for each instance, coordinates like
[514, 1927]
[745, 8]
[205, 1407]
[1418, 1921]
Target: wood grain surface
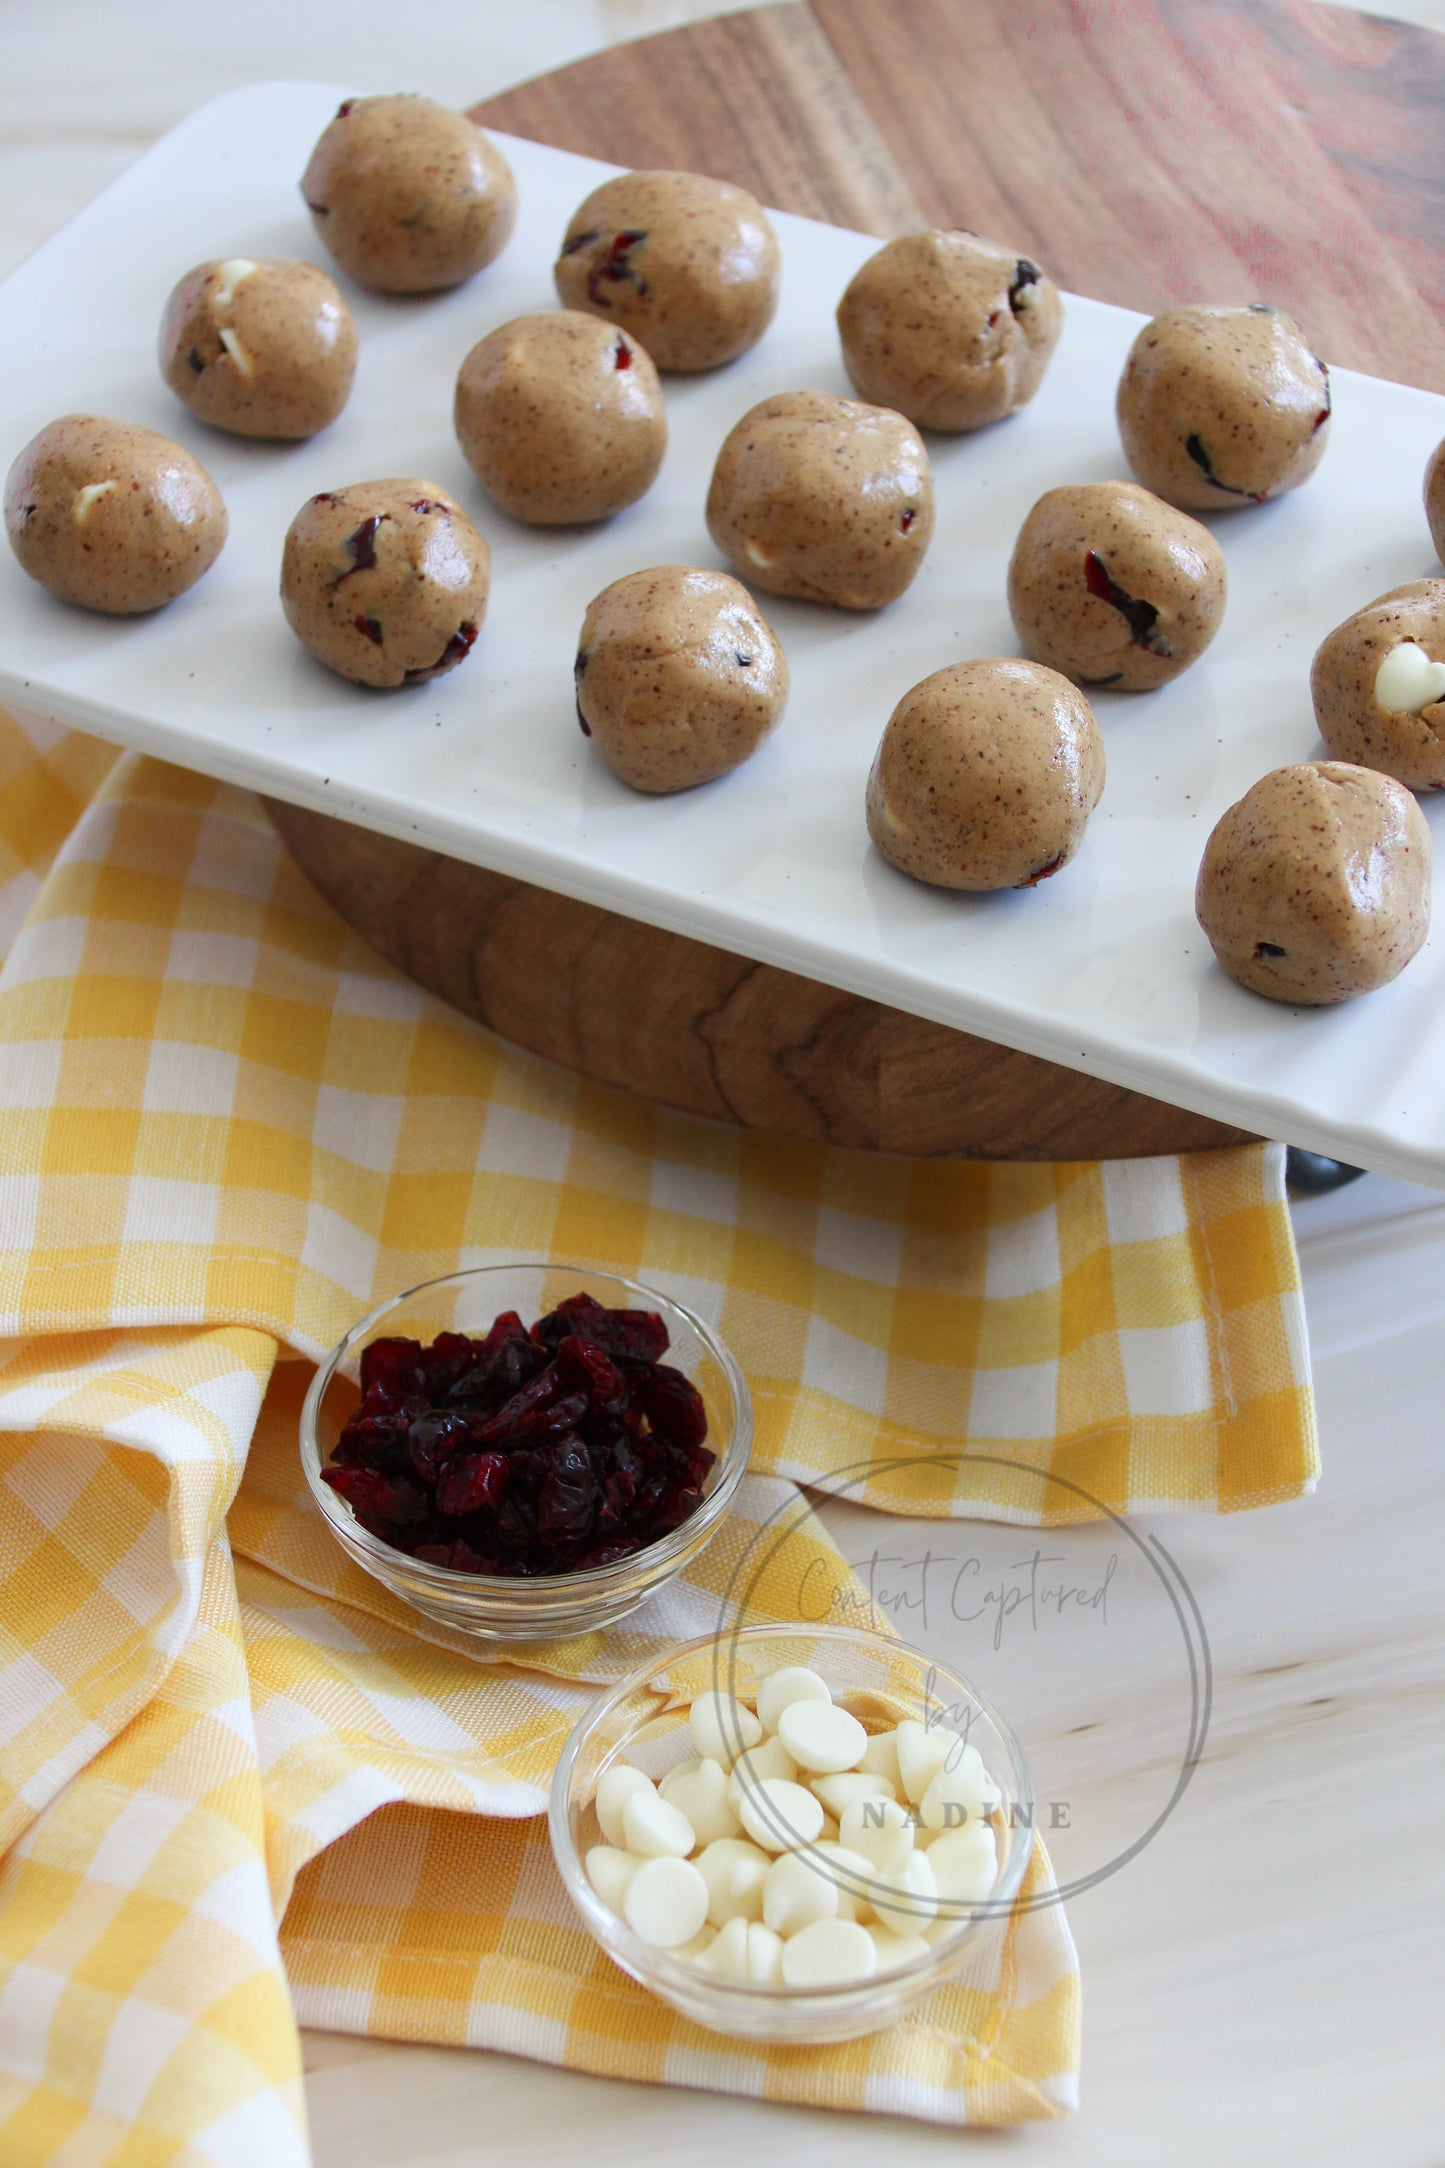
[1146, 151]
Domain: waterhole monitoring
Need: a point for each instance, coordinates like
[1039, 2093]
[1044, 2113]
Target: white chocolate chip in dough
[780, 1816]
[666, 1902]
[656, 1830]
[232, 273]
[722, 1728]
[795, 1682]
[86, 499]
[830, 1953]
[614, 1786]
[757, 555]
[821, 1739]
[236, 351]
[1407, 681]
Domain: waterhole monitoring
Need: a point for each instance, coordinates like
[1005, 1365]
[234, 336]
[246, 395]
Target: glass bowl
[641, 1720]
[552, 1606]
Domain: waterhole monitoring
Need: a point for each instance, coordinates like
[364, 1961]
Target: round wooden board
[1150, 152]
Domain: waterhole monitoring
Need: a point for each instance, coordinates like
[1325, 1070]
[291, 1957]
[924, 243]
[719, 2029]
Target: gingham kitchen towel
[226, 1127]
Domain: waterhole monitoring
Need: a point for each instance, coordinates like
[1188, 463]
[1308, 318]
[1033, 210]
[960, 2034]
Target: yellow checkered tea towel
[225, 1128]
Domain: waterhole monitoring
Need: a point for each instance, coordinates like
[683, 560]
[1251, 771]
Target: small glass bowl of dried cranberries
[528, 1450]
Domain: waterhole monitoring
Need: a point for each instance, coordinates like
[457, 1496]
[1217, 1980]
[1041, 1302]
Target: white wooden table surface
[1263, 1983]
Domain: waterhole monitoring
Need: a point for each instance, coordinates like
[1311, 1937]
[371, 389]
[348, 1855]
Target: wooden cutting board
[1147, 151]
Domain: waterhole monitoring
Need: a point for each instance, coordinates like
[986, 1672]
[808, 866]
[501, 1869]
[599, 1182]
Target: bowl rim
[611, 1930]
[675, 1547]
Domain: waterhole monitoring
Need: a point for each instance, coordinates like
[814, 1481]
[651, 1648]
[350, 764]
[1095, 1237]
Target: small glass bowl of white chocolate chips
[792, 1834]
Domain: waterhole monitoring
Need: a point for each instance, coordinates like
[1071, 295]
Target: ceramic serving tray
[1102, 968]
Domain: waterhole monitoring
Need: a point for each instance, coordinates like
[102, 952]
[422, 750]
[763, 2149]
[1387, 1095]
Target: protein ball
[686, 264]
[1114, 587]
[1316, 885]
[262, 349]
[561, 418]
[1378, 684]
[408, 195]
[986, 776]
[1223, 407]
[385, 582]
[111, 516]
[949, 329]
[823, 498]
[679, 677]
[1435, 498]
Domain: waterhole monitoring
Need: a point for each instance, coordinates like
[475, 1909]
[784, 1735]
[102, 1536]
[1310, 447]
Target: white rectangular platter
[1103, 968]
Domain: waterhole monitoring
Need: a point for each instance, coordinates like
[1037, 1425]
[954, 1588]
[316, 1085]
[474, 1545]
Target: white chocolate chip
[880, 1759]
[727, 1955]
[666, 1902]
[852, 1873]
[820, 1738]
[962, 1792]
[765, 1956]
[771, 1759]
[722, 1728]
[86, 498]
[614, 1786]
[881, 1829]
[1407, 681]
[609, 1871]
[906, 1898]
[922, 1751]
[798, 1890]
[734, 1871]
[654, 1829]
[700, 1791]
[232, 273]
[839, 1792]
[793, 1683]
[830, 1953]
[702, 1940]
[965, 1864]
[780, 1816]
[895, 1950]
[236, 351]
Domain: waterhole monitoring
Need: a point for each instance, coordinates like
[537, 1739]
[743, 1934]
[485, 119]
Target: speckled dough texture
[1223, 407]
[408, 195]
[111, 516]
[561, 417]
[1410, 747]
[1316, 885]
[385, 582]
[823, 498]
[1114, 587]
[1435, 498]
[986, 776]
[264, 349]
[686, 264]
[679, 676]
[948, 328]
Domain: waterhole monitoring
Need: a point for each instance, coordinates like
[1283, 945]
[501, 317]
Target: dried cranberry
[461, 643]
[362, 544]
[1032, 880]
[614, 267]
[371, 626]
[590, 1370]
[567, 1493]
[391, 1367]
[431, 1442]
[378, 1497]
[622, 355]
[1026, 274]
[1142, 618]
[674, 1405]
[473, 1482]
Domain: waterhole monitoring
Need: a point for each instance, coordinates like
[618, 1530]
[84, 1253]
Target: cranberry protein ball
[407, 195]
[264, 349]
[679, 676]
[560, 417]
[1315, 886]
[385, 582]
[1435, 498]
[793, 1847]
[986, 776]
[823, 498]
[686, 264]
[549, 1449]
[1223, 407]
[112, 517]
[949, 329]
[1114, 587]
[1378, 684]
